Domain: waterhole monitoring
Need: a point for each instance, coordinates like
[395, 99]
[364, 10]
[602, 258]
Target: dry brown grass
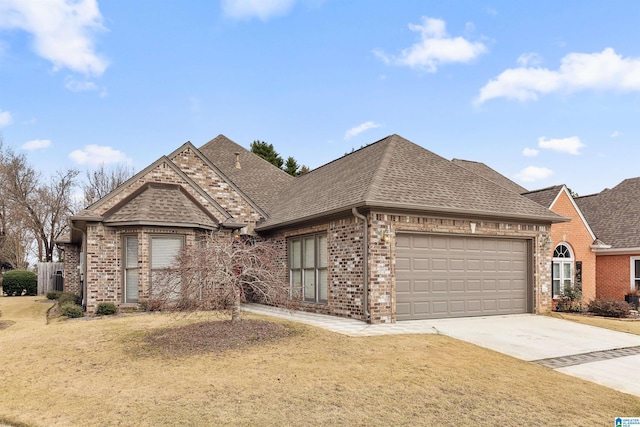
[102, 372]
[631, 326]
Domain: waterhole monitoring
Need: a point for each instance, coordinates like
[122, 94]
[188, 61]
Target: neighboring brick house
[388, 232]
[573, 244]
[614, 215]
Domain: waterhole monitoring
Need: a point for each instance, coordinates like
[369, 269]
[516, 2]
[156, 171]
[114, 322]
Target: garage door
[441, 276]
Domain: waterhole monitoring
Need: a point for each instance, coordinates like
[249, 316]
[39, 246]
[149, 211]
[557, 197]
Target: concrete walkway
[594, 354]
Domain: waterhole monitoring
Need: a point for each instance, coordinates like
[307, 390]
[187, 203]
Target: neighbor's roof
[160, 204]
[490, 174]
[614, 215]
[258, 179]
[398, 174]
[544, 196]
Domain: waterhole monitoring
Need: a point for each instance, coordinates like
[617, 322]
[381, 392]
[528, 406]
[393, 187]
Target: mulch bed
[216, 336]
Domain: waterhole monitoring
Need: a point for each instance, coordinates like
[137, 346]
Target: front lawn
[103, 371]
[631, 326]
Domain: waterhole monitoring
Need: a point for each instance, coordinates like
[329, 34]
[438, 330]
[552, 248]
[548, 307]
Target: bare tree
[41, 207]
[103, 181]
[221, 272]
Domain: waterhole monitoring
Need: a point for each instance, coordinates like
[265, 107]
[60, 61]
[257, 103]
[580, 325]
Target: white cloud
[96, 155]
[533, 173]
[36, 144]
[527, 59]
[615, 134]
[359, 129]
[63, 31]
[435, 48]
[80, 86]
[530, 152]
[578, 71]
[5, 118]
[569, 145]
[262, 9]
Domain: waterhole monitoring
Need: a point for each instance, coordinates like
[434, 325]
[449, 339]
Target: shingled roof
[614, 215]
[258, 179]
[544, 196]
[160, 204]
[396, 173]
[490, 174]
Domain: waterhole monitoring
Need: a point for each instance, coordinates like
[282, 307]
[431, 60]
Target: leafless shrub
[220, 272]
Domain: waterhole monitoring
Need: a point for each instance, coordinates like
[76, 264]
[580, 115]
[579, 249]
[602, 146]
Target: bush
[68, 298]
[106, 308]
[609, 307]
[71, 310]
[53, 295]
[19, 282]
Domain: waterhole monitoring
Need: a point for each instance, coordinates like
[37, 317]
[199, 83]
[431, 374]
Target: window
[308, 261]
[635, 273]
[130, 294]
[562, 270]
[164, 249]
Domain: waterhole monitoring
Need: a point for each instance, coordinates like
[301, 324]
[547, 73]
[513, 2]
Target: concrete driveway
[594, 354]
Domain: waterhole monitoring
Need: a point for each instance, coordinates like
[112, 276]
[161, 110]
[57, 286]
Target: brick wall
[71, 270]
[345, 246]
[104, 261]
[613, 275]
[577, 236]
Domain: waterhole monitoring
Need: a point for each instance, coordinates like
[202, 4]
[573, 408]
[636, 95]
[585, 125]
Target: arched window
[562, 269]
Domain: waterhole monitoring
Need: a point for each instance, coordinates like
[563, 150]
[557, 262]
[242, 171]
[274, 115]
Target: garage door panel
[454, 276]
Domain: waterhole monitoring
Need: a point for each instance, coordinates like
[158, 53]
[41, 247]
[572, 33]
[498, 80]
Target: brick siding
[613, 275]
[577, 236]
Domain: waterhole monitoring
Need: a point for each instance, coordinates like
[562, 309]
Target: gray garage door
[455, 276]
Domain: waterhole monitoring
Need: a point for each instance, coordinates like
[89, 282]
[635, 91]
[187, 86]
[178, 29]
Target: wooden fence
[49, 277]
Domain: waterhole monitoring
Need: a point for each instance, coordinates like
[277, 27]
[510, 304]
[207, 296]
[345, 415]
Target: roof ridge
[378, 175]
[544, 189]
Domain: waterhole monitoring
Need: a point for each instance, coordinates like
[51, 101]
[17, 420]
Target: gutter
[365, 262]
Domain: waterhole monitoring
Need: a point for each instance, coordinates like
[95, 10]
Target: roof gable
[258, 179]
[160, 204]
[544, 196]
[155, 172]
[397, 173]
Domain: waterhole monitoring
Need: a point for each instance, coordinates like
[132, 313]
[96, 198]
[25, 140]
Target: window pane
[309, 284]
[294, 253]
[556, 287]
[566, 270]
[131, 283]
[131, 252]
[322, 284]
[164, 250]
[637, 268]
[556, 271]
[309, 252]
[322, 251]
[296, 277]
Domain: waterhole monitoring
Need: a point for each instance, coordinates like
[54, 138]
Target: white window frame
[154, 269]
[561, 261]
[633, 275]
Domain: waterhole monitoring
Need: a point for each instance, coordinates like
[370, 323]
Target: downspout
[365, 259]
[84, 266]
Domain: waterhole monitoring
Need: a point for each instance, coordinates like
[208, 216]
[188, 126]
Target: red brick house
[614, 215]
[389, 232]
[573, 244]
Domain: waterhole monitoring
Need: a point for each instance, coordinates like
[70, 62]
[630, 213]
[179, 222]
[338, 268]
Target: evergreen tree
[267, 152]
[291, 167]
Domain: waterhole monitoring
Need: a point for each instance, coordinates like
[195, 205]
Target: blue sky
[544, 92]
